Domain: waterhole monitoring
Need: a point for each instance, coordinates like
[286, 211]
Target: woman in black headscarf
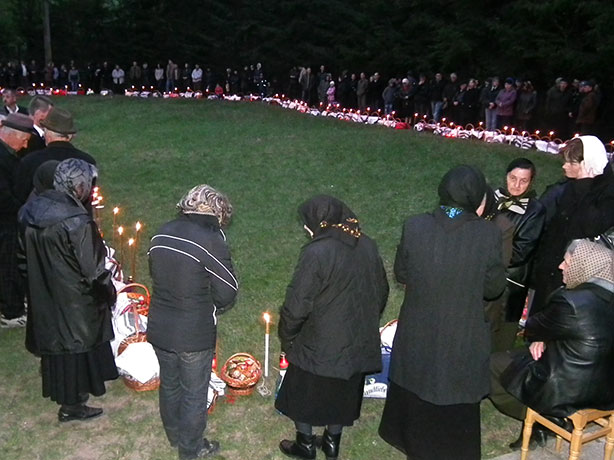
[449, 260]
[70, 292]
[329, 326]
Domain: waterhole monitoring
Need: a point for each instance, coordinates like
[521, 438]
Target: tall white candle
[267, 320]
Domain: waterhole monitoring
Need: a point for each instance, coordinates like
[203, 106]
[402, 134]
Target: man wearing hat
[59, 131]
[15, 131]
[587, 110]
[38, 109]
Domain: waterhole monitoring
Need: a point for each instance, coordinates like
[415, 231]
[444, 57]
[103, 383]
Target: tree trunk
[47, 33]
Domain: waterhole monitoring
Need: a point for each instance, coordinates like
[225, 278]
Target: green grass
[268, 160]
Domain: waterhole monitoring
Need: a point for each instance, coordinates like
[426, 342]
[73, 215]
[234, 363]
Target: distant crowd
[567, 107]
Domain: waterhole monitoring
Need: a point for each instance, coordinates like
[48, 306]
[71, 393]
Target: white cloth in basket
[138, 361]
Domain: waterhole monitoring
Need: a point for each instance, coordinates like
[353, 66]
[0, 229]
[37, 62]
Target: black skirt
[68, 377]
[320, 401]
[425, 431]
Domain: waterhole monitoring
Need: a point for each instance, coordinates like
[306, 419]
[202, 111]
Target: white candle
[267, 320]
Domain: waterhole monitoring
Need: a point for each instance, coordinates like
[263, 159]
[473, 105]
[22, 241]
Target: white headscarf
[595, 158]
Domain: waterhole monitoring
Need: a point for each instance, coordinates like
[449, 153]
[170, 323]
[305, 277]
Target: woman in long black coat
[581, 207]
[71, 292]
[329, 326]
[449, 261]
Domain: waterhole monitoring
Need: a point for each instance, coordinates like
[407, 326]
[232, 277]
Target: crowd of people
[567, 107]
[491, 249]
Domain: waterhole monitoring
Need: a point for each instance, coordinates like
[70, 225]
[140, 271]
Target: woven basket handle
[129, 287]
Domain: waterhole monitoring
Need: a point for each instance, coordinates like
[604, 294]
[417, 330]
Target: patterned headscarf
[324, 212]
[204, 199]
[589, 260]
[75, 178]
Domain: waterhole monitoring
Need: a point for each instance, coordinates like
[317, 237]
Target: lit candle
[115, 212]
[120, 231]
[132, 251]
[267, 321]
[136, 237]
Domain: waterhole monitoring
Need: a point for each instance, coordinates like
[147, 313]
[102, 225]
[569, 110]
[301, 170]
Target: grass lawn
[268, 160]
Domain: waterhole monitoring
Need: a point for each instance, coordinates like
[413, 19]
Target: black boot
[330, 445]
[539, 437]
[303, 447]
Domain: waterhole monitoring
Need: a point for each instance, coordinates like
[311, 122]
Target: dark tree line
[539, 40]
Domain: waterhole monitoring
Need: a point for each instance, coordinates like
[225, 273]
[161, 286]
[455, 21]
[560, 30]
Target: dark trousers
[12, 292]
[184, 384]
[503, 401]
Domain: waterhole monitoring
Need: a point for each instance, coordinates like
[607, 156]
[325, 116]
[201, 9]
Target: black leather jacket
[576, 370]
[71, 292]
[527, 231]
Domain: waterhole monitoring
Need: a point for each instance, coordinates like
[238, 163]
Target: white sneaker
[6, 323]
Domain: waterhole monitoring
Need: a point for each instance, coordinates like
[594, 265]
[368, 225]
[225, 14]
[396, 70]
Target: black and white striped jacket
[193, 282]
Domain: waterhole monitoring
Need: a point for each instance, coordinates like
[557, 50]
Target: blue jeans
[184, 383]
[436, 109]
[491, 119]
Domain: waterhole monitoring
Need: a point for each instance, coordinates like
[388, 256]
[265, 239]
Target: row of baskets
[241, 372]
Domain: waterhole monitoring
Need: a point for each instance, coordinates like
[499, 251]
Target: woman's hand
[537, 349]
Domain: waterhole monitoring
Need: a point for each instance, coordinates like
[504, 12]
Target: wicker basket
[152, 384]
[139, 299]
[248, 367]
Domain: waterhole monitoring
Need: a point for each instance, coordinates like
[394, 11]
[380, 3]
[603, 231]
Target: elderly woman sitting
[570, 362]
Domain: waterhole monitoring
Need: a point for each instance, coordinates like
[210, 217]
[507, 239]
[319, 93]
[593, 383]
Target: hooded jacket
[71, 292]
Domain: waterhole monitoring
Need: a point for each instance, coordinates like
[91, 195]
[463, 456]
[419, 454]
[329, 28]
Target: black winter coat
[193, 282]
[576, 370]
[584, 209]
[9, 205]
[527, 231]
[442, 345]
[329, 323]
[71, 292]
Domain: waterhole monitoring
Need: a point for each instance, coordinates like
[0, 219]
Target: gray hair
[204, 199]
[42, 103]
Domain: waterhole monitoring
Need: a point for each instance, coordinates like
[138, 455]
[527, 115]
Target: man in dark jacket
[15, 132]
[59, 130]
[193, 282]
[570, 363]
[38, 109]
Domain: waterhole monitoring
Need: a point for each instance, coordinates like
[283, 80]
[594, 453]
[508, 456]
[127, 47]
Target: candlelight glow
[130, 241]
[138, 226]
[115, 210]
[120, 230]
[266, 317]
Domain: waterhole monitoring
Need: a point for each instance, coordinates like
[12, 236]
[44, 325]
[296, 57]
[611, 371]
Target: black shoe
[81, 412]
[303, 447]
[210, 448]
[564, 423]
[539, 437]
[330, 445]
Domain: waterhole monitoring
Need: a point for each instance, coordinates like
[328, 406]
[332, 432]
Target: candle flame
[138, 226]
[120, 230]
[266, 317]
[115, 210]
[130, 241]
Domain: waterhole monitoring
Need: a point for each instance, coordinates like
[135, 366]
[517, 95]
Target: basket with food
[241, 372]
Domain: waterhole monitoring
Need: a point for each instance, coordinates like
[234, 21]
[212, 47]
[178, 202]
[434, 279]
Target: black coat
[576, 370]
[527, 231]
[584, 209]
[58, 150]
[442, 345]
[9, 204]
[193, 282]
[71, 292]
[329, 323]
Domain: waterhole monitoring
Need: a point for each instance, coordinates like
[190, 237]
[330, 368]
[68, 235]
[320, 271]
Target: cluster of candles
[119, 233]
